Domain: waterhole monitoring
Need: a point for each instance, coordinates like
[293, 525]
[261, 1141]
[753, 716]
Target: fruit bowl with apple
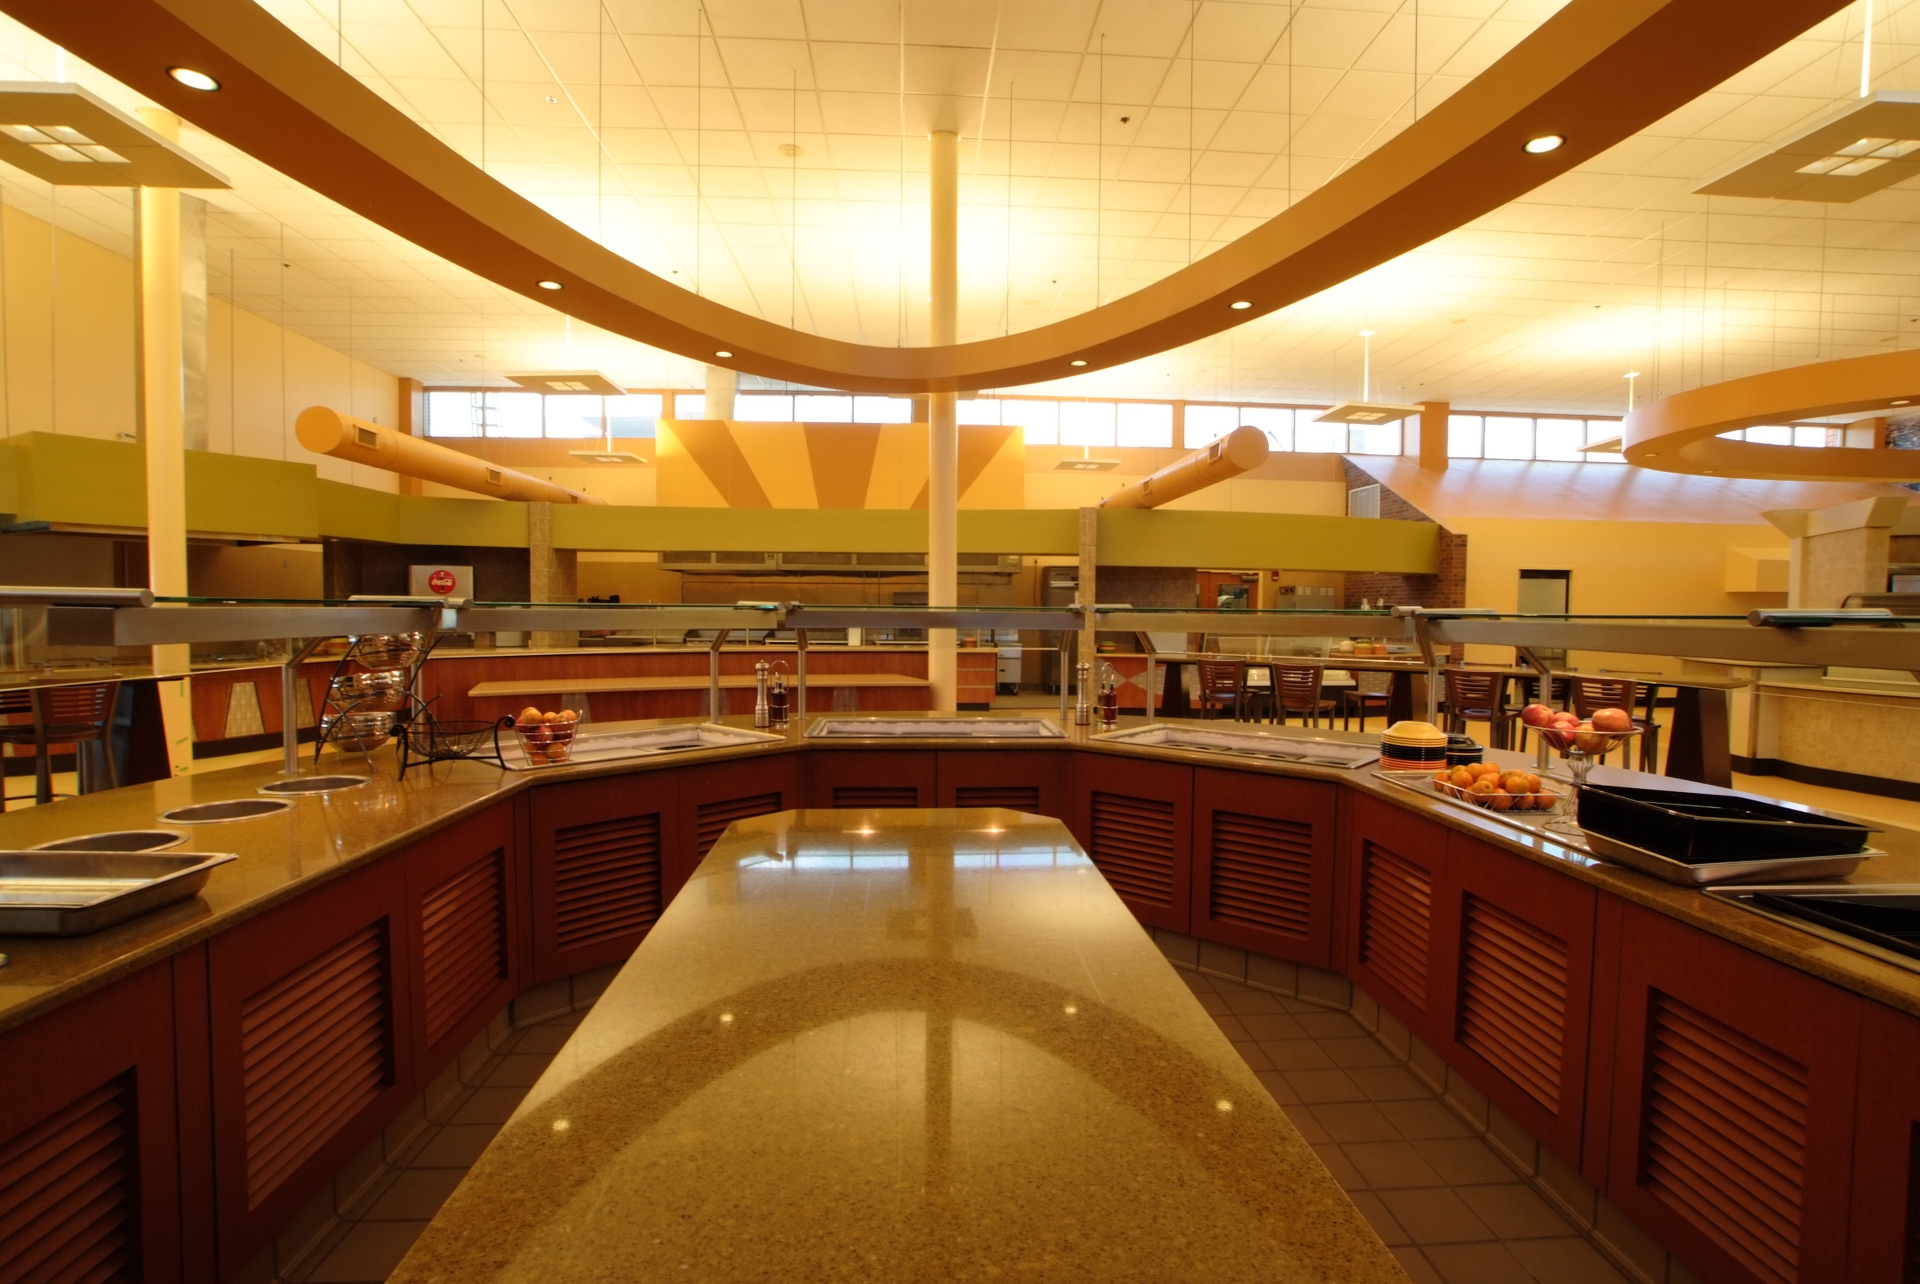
[1597, 736]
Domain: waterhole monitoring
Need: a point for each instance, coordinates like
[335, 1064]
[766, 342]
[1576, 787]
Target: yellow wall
[1659, 568]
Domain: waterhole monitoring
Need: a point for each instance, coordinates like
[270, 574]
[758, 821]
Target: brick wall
[1446, 588]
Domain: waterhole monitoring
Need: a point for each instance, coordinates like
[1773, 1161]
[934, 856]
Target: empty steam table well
[898, 1045]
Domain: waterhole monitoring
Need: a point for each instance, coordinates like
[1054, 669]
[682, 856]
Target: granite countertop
[949, 1053]
[319, 838]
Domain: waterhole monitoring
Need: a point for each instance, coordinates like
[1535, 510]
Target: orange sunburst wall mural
[727, 463]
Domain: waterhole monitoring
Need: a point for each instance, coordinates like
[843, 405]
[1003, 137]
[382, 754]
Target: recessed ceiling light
[1542, 145]
[1241, 306]
[723, 354]
[549, 285]
[1076, 362]
[1904, 401]
[194, 79]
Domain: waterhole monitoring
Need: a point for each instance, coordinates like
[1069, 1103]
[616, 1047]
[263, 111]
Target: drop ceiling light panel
[570, 383]
[1855, 152]
[61, 134]
[1366, 413]
[1086, 465]
[606, 457]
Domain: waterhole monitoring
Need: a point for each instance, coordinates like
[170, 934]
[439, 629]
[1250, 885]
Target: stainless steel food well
[67, 893]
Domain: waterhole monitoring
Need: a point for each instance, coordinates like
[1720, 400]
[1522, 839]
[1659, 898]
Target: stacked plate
[1413, 746]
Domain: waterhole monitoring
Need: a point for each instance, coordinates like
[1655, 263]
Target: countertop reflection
[914, 1045]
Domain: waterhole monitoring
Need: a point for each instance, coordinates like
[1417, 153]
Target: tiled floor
[1447, 1204]
[376, 1232]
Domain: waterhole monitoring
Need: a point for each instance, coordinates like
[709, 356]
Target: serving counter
[364, 937]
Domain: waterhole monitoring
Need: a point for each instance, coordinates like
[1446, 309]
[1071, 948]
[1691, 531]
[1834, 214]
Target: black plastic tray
[1700, 828]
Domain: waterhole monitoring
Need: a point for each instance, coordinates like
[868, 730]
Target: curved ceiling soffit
[1595, 73]
[1681, 433]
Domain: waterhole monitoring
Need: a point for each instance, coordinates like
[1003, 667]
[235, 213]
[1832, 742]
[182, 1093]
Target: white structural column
[943, 438]
[163, 432]
[722, 386]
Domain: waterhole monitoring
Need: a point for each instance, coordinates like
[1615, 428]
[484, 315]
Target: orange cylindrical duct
[1243, 448]
[328, 432]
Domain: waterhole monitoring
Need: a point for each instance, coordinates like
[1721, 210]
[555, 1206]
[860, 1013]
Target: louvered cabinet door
[872, 779]
[1515, 946]
[1731, 1132]
[467, 908]
[1025, 780]
[88, 1176]
[1885, 1235]
[1263, 861]
[1394, 866]
[598, 868]
[714, 795]
[1135, 818]
[310, 1010]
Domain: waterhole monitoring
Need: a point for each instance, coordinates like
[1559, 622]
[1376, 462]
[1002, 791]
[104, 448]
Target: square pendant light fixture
[606, 457]
[61, 134]
[1366, 412]
[1086, 465]
[1869, 145]
[569, 383]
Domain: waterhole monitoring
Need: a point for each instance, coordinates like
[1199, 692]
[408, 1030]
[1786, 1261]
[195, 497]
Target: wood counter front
[890, 1046]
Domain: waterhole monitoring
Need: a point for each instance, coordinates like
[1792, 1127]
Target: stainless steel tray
[836, 727]
[46, 893]
[1280, 745]
[609, 746]
[1726, 871]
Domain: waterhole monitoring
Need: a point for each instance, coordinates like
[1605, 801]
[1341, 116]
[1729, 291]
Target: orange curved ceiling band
[1681, 433]
[1595, 73]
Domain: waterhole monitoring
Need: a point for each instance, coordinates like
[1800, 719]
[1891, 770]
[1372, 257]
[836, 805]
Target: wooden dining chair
[1477, 697]
[1299, 691]
[1590, 694]
[80, 716]
[1219, 686]
[1371, 690]
[1257, 694]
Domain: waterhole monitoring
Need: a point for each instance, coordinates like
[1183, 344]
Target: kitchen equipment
[1281, 744]
[1882, 920]
[71, 893]
[1699, 828]
[1707, 873]
[1082, 704]
[762, 713]
[364, 730]
[959, 728]
[608, 746]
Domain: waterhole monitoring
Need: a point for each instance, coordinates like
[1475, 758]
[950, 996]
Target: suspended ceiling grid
[1544, 304]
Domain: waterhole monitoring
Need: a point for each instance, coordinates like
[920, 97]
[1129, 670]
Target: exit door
[1545, 593]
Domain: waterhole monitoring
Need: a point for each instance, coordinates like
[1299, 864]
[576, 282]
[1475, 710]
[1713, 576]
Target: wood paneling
[1264, 864]
[1885, 1239]
[1513, 948]
[713, 796]
[313, 1047]
[1395, 865]
[1732, 1116]
[467, 898]
[872, 778]
[1019, 779]
[88, 1176]
[1135, 818]
[598, 868]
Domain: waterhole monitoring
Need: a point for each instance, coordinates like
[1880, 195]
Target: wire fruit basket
[426, 738]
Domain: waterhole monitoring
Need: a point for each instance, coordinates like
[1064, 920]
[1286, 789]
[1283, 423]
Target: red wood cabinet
[1395, 863]
[1885, 1236]
[597, 872]
[88, 1154]
[466, 919]
[311, 1011]
[1135, 818]
[1733, 1111]
[1514, 954]
[1018, 779]
[717, 794]
[872, 778]
[1263, 863]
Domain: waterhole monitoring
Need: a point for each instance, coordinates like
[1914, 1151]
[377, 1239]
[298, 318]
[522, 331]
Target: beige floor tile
[1302, 1119]
[1465, 1161]
[1390, 1083]
[1389, 1165]
[1358, 1052]
[1211, 1003]
[415, 1195]
[1244, 1002]
[541, 1040]
[1318, 1086]
[1277, 1086]
[1435, 1215]
[1418, 1268]
[1380, 1219]
[1194, 981]
[455, 1146]
[1899, 812]
[488, 1106]
[1566, 1261]
[368, 1253]
[1296, 1054]
[1479, 1264]
[1354, 1121]
[1514, 1211]
[1325, 1025]
[1233, 1029]
[1343, 1171]
[1421, 1118]
[1254, 1057]
[516, 1071]
[1272, 1026]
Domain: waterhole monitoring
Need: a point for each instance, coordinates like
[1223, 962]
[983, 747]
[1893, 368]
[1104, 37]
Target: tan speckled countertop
[893, 1046]
[319, 838]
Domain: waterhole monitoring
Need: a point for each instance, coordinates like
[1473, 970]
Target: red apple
[1537, 715]
[1588, 742]
[1564, 721]
[1612, 720]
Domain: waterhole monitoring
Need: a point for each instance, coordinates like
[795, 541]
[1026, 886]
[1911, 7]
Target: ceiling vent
[1872, 144]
